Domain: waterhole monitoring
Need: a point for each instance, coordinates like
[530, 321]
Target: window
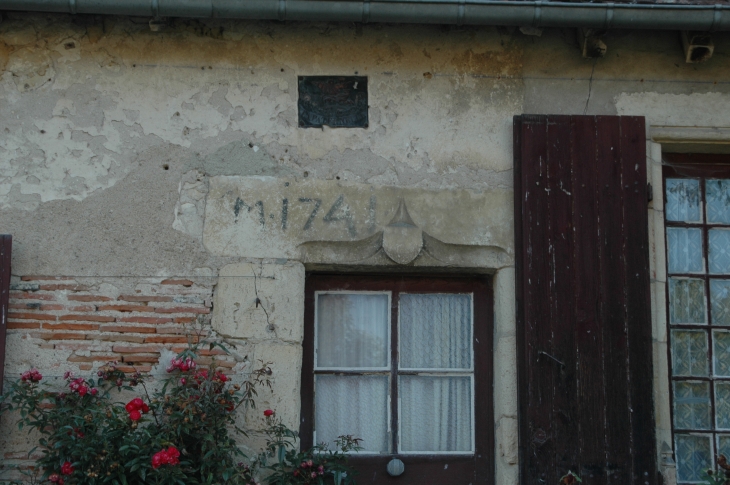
[697, 217]
[404, 363]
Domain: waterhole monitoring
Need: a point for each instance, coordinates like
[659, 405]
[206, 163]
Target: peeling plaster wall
[111, 134]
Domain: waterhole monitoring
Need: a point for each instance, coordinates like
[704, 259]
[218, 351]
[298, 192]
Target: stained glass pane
[355, 405]
[722, 405]
[689, 353]
[687, 300]
[435, 331]
[718, 201]
[719, 251]
[692, 405]
[723, 445]
[721, 353]
[720, 298]
[685, 250]
[683, 200]
[694, 457]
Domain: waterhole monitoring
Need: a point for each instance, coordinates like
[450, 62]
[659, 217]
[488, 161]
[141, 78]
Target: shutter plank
[540, 447]
[560, 304]
[6, 243]
[638, 310]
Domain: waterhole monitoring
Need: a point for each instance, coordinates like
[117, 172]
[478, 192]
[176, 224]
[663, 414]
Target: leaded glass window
[697, 217]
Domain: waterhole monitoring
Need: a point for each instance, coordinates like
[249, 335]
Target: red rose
[135, 416]
[60, 481]
[269, 412]
[158, 459]
[172, 455]
[94, 391]
[145, 408]
[83, 390]
[54, 477]
[66, 468]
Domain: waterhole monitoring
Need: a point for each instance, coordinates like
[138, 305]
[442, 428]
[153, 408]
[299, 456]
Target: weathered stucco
[124, 153]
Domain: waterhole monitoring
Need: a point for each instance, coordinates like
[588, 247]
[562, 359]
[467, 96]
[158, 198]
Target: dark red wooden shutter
[583, 301]
[6, 243]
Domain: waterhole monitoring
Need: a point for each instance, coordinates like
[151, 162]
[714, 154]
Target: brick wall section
[62, 314]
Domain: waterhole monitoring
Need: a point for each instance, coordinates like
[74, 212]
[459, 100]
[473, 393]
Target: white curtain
[435, 331]
[352, 330]
[355, 405]
[435, 413]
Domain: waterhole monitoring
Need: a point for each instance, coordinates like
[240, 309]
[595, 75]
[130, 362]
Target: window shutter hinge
[649, 192]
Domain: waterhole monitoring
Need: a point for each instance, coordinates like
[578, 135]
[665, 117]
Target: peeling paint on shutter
[583, 301]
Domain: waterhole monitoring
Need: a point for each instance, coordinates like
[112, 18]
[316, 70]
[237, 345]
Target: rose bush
[180, 433]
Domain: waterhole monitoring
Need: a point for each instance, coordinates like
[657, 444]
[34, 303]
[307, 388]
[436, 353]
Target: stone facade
[124, 154]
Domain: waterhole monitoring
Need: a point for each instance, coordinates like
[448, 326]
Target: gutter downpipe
[535, 13]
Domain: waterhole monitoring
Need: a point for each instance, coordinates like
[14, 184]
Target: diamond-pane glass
[685, 250]
[719, 251]
[355, 405]
[687, 300]
[718, 201]
[720, 298]
[692, 405]
[722, 405]
[721, 353]
[723, 445]
[683, 200]
[689, 353]
[435, 331]
[694, 457]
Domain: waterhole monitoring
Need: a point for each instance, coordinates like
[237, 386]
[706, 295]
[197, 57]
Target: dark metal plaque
[335, 101]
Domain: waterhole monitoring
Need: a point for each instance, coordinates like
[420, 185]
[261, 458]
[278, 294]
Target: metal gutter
[460, 12]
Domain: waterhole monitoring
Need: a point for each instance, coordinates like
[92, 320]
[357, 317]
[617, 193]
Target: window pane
[720, 297]
[692, 405]
[435, 331]
[436, 413]
[687, 300]
[723, 445]
[719, 251]
[722, 405]
[689, 353]
[352, 330]
[683, 200]
[718, 201]
[355, 405]
[685, 250]
[693, 457]
[721, 353]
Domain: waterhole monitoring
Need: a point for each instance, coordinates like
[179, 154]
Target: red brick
[89, 298]
[144, 298]
[173, 330]
[127, 329]
[31, 316]
[151, 320]
[215, 351]
[124, 308]
[172, 281]
[47, 346]
[59, 335]
[56, 287]
[23, 324]
[85, 366]
[158, 339]
[23, 295]
[129, 369]
[87, 318]
[224, 363]
[141, 358]
[115, 337]
[123, 349]
[80, 308]
[71, 326]
[35, 277]
[184, 319]
[52, 306]
[181, 309]
[91, 358]
[22, 455]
